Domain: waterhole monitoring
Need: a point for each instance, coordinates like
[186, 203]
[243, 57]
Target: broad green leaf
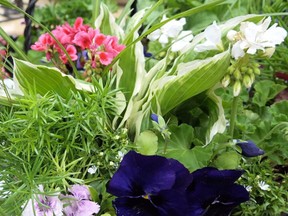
[193, 159]
[279, 111]
[147, 143]
[266, 90]
[43, 79]
[192, 78]
[181, 148]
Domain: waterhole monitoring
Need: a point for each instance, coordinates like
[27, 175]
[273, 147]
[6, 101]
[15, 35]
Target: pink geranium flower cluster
[77, 39]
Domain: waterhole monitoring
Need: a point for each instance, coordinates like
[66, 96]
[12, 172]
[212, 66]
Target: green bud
[252, 77]
[247, 81]
[231, 69]
[244, 69]
[250, 71]
[236, 88]
[237, 74]
[162, 54]
[257, 71]
[255, 65]
[226, 81]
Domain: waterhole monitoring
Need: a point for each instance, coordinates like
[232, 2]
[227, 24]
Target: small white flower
[92, 170]
[213, 39]
[170, 30]
[120, 155]
[253, 37]
[248, 188]
[263, 186]
[181, 41]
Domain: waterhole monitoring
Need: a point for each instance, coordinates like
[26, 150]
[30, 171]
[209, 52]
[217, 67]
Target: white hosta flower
[253, 37]
[92, 170]
[170, 30]
[263, 185]
[213, 39]
[183, 39]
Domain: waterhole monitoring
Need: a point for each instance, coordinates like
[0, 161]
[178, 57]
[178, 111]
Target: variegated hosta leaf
[43, 79]
[106, 23]
[217, 121]
[132, 62]
[191, 79]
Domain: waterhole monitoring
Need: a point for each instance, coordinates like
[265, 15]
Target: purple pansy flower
[249, 148]
[157, 186]
[150, 185]
[79, 202]
[213, 192]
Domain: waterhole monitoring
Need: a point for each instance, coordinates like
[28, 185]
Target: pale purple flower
[42, 205]
[79, 202]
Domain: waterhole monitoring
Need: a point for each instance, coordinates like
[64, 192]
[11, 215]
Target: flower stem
[233, 115]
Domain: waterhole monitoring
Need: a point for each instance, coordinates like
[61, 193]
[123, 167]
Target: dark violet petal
[227, 201]
[183, 176]
[212, 186]
[234, 195]
[250, 149]
[218, 209]
[141, 175]
[170, 202]
[134, 207]
[154, 117]
[211, 175]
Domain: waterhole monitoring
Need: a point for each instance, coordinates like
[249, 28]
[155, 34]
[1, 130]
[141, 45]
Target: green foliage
[147, 143]
[62, 11]
[265, 91]
[272, 201]
[53, 141]
[182, 147]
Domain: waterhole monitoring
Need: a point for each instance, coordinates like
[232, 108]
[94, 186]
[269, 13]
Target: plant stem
[233, 115]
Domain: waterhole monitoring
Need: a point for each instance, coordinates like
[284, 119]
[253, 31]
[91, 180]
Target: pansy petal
[139, 175]
[170, 202]
[134, 206]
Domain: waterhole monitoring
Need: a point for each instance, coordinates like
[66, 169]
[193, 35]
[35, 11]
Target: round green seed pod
[244, 69]
[257, 71]
[236, 88]
[250, 71]
[231, 69]
[226, 80]
[247, 81]
[237, 74]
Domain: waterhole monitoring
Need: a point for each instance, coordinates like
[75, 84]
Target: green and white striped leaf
[191, 79]
[107, 24]
[43, 79]
[217, 120]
